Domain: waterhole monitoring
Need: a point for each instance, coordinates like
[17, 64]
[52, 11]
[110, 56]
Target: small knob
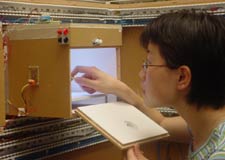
[97, 42]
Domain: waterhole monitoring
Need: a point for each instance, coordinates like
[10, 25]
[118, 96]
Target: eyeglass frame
[146, 64]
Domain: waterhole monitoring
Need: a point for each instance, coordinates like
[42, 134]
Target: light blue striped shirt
[214, 147]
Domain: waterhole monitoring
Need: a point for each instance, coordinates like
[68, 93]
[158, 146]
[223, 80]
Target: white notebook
[122, 123]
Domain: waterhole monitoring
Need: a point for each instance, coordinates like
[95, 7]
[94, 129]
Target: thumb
[131, 155]
[139, 153]
[137, 149]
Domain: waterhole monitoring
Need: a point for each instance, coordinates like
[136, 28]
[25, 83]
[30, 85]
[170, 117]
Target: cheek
[150, 90]
[158, 90]
[142, 75]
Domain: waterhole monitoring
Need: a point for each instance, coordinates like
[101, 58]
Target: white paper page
[123, 121]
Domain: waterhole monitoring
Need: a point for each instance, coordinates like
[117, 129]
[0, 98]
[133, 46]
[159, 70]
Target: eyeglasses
[147, 64]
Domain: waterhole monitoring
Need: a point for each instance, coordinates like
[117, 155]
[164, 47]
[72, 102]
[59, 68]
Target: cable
[19, 112]
[22, 93]
[30, 83]
[11, 105]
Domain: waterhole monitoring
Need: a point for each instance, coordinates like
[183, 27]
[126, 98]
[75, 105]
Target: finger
[85, 82]
[131, 155]
[89, 90]
[142, 157]
[82, 69]
[139, 153]
[137, 149]
[88, 76]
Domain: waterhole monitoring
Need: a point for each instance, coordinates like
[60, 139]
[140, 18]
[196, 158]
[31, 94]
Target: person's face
[158, 82]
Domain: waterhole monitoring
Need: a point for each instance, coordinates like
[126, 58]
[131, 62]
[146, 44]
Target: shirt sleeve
[218, 155]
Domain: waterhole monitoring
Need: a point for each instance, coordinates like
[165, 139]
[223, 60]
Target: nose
[142, 74]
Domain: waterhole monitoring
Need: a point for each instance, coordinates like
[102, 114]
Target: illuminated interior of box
[103, 58]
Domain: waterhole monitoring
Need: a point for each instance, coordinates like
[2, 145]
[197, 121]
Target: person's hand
[135, 153]
[94, 80]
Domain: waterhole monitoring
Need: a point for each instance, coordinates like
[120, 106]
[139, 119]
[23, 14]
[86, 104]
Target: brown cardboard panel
[121, 6]
[102, 151]
[167, 3]
[43, 31]
[132, 56]
[80, 35]
[2, 84]
[52, 97]
[83, 36]
[37, 46]
[69, 2]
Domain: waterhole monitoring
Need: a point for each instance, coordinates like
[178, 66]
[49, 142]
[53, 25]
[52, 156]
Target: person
[184, 69]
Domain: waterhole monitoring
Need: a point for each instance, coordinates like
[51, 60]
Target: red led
[65, 31]
[59, 31]
[214, 8]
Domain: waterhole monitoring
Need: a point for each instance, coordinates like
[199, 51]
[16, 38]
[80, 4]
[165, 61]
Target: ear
[184, 78]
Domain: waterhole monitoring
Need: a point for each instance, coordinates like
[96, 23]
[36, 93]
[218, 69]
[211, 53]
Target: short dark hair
[196, 39]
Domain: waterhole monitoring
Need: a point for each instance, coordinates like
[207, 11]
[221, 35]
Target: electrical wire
[13, 106]
[22, 93]
[31, 83]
